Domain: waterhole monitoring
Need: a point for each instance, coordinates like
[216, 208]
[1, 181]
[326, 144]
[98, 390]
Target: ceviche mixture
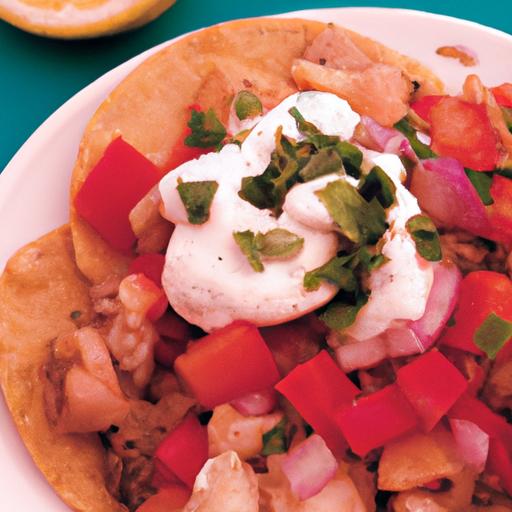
[319, 316]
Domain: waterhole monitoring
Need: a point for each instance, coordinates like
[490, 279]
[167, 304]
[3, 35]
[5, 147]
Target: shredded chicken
[82, 393]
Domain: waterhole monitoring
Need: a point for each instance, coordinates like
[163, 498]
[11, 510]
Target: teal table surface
[37, 75]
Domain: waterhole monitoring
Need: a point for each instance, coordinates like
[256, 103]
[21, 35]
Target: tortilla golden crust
[150, 107]
[39, 289]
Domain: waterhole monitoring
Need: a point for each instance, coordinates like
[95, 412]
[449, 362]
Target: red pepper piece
[185, 450]
[120, 179]
[317, 389]
[503, 95]
[424, 105]
[432, 385]
[481, 293]
[227, 364]
[376, 419]
[472, 409]
[463, 131]
[151, 265]
[499, 463]
[500, 212]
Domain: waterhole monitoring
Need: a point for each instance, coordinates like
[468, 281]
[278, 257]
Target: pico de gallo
[330, 324]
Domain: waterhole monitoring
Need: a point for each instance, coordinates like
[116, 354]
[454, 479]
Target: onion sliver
[256, 404]
[309, 467]
[472, 443]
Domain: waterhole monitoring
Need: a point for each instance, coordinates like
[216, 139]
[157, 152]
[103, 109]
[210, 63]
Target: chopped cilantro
[326, 161]
[197, 197]
[492, 335]
[340, 315]
[421, 150]
[351, 156]
[238, 138]
[334, 272]
[247, 105]
[274, 244]
[360, 221]
[274, 441]
[482, 182]
[207, 130]
[424, 233]
[378, 184]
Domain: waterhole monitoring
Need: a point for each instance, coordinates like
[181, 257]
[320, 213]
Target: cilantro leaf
[492, 335]
[424, 233]
[246, 242]
[197, 197]
[360, 221]
[278, 243]
[334, 272]
[422, 150]
[378, 184]
[207, 130]
[247, 105]
[482, 182]
[274, 441]
[340, 315]
[326, 161]
[274, 244]
[351, 156]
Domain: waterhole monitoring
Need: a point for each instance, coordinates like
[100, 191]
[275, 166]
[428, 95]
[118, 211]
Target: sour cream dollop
[207, 278]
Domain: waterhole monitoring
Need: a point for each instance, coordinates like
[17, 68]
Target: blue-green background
[37, 75]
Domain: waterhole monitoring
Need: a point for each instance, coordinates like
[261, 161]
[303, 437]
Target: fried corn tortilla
[48, 279]
[150, 107]
[40, 288]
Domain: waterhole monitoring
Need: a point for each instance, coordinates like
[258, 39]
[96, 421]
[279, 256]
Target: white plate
[34, 186]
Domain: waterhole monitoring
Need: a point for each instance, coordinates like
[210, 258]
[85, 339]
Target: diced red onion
[256, 404]
[403, 341]
[380, 135]
[445, 192]
[309, 467]
[361, 354]
[440, 304]
[472, 443]
[405, 149]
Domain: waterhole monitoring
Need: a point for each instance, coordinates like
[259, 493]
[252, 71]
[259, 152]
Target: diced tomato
[167, 499]
[376, 419]
[481, 293]
[172, 326]
[424, 105]
[317, 389]
[151, 265]
[166, 352]
[472, 409]
[120, 179]
[499, 463]
[432, 385]
[503, 95]
[185, 450]
[463, 131]
[227, 364]
[500, 212]
[182, 153]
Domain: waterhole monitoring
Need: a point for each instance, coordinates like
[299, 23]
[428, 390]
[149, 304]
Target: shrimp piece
[230, 430]
[334, 48]
[475, 92]
[132, 337]
[380, 91]
[225, 484]
[82, 393]
[276, 495]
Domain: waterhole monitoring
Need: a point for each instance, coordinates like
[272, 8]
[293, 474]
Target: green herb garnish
[492, 335]
[482, 182]
[424, 233]
[334, 272]
[197, 197]
[377, 184]
[326, 161]
[340, 315]
[421, 150]
[207, 130]
[274, 244]
[360, 221]
[274, 441]
[247, 105]
[352, 158]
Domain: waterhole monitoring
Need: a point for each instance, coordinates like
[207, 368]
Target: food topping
[463, 54]
[197, 197]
